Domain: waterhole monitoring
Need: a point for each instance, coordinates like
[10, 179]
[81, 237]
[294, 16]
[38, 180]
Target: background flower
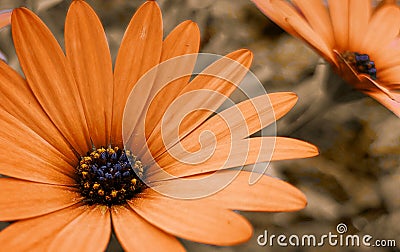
[359, 41]
[67, 170]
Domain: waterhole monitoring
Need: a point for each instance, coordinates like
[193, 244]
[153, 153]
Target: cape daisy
[359, 40]
[69, 179]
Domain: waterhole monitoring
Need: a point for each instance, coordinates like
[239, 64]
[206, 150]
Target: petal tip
[309, 150]
[246, 52]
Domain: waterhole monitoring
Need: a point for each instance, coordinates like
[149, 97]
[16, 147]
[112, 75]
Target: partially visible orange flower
[70, 180]
[360, 41]
[5, 18]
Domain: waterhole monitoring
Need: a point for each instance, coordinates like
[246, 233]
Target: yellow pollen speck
[84, 166]
[108, 198]
[86, 185]
[100, 192]
[133, 181]
[84, 174]
[97, 155]
[96, 186]
[133, 188]
[114, 193]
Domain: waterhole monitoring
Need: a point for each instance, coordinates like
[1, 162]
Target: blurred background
[355, 179]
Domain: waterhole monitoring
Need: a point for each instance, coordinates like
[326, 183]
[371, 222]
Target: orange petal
[136, 234]
[205, 90]
[339, 12]
[184, 39]
[5, 18]
[140, 50]
[18, 100]
[21, 199]
[383, 27]
[359, 15]
[192, 220]
[36, 234]
[317, 16]
[87, 51]
[289, 148]
[27, 156]
[232, 154]
[242, 120]
[50, 77]
[90, 231]
[267, 194]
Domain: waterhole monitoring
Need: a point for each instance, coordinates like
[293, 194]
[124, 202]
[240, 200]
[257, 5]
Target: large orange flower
[359, 40]
[70, 181]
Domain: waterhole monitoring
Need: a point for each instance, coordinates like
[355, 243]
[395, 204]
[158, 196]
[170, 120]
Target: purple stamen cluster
[361, 63]
[109, 176]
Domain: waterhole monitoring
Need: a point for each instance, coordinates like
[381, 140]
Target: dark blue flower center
[361, 63]
[109, 176]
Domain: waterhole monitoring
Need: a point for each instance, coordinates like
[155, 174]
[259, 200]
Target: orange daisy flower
[71, 182]
[359, 40]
